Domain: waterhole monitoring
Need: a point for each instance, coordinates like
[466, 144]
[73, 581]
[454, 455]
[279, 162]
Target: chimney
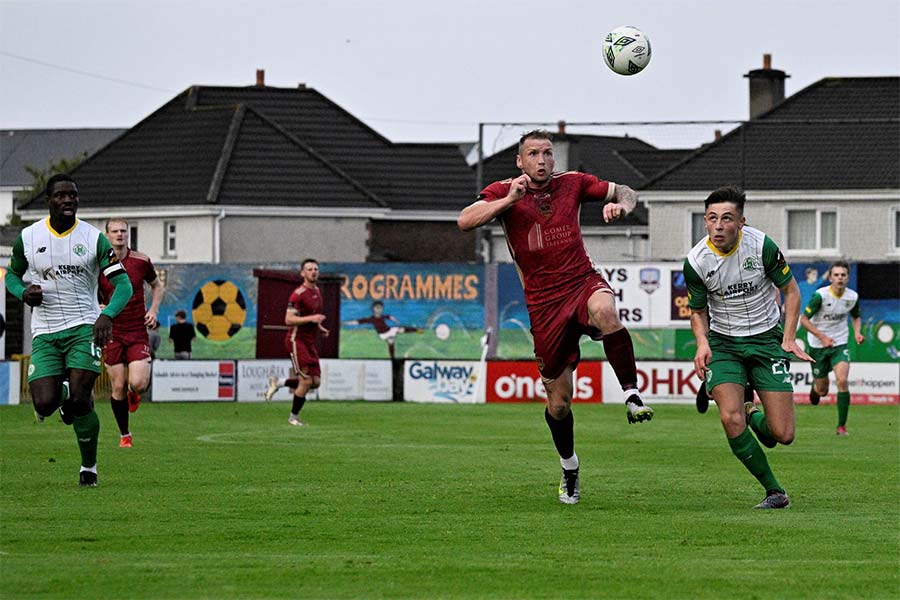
[260, 78]
[561, 127]
[766, 87]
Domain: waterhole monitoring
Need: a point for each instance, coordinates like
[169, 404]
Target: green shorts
[826, 358]
[54, 353]
[758, 359]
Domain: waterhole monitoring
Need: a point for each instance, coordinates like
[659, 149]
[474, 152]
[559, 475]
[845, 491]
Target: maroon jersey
[139, 269]
[544, 235]
[305, 301]
[379, 323]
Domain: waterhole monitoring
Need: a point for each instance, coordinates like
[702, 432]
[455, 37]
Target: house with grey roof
[262, 174]
[821, 170]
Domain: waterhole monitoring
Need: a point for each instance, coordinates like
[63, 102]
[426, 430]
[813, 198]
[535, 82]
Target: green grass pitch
[435, 501]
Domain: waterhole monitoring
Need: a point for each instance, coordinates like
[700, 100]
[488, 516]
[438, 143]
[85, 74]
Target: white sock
[91, 469]
[569, 464]
[125, 435]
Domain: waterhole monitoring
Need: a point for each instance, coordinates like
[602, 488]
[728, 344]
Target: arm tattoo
[626, 196]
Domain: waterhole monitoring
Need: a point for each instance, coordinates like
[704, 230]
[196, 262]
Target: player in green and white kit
[733, 276]
[825, 318]
[63, 257]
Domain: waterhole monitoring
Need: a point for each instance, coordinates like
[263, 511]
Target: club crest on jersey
[544, 204]
[79, 250]
[649, 280]
[752, 264]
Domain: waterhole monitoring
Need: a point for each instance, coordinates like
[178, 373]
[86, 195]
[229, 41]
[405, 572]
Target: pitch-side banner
[341, 380]
[658, 381]
[662, 382]
[648, 295]
[870, 383]
[9, 382]
[193, 380]
[519, 381]
[443, 381]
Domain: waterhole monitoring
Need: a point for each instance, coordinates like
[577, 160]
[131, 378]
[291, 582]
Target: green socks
[87, 430]
[843, 406]
[761, 428]
[749, 452]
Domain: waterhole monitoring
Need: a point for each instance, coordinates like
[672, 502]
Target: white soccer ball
[626, 50]
[442, 331]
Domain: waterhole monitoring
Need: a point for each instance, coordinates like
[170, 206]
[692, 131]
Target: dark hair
[839, 263]
[181, 313]
[378, 303]
[728, 193]
[535, 134]
[56, 179]
[308, 260]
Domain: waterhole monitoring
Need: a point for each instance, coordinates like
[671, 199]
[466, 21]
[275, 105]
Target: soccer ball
[626, 50]
[219, 310]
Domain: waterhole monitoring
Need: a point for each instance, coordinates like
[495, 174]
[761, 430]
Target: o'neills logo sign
[519, 381]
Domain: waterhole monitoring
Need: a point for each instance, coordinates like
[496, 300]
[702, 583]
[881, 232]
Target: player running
[386, 326]
[732, 276]
[565, 295]
[63, 257]
[825, 318]
[304, 318]
[127, 355]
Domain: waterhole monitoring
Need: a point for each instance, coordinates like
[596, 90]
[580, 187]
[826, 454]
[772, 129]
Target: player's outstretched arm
[827, 342]
[857, 329]
[623, 202]
[700, 329]
[156, 291]
[480, 212]
[791, 316]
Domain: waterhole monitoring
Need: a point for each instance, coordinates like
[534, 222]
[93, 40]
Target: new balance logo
[42, 249]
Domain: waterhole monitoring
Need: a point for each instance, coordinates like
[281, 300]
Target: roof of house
[270, 146]
[39, 148]
[836, 134]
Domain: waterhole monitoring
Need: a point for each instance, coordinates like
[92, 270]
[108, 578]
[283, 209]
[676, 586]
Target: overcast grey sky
[416, 70]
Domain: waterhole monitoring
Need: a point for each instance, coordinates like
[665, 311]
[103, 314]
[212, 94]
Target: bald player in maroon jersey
[304, 319]
[127, 355]
[565, 295]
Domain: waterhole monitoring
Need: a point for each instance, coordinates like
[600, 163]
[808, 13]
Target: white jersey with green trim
[739, 287]
[66, 266]
[829, 314]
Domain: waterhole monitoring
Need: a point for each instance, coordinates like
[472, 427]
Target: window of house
[897, 229]
[133, 237]
[698, 228]
[811, 229]
[169, 242]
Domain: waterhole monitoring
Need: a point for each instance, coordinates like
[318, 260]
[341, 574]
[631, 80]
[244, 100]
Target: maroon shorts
[304, 357]
[127, 347]
[557, 328]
